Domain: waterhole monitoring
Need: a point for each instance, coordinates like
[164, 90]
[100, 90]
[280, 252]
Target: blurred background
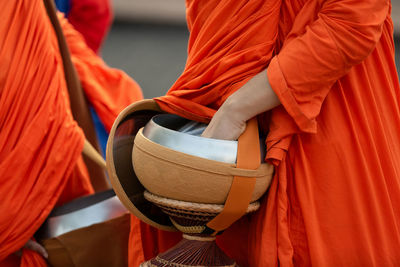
[148, 41]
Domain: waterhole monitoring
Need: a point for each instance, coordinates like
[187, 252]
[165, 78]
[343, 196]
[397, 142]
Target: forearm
[255, 97]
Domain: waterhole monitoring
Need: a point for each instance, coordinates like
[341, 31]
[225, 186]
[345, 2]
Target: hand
[253, 98]
[225, 124]
[35, 246]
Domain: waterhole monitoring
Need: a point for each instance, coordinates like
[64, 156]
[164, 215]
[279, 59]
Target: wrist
[253, 98]
[234, 108]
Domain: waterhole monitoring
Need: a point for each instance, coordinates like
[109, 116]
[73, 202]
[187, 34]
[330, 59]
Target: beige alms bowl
[164, 171]
[181, 176]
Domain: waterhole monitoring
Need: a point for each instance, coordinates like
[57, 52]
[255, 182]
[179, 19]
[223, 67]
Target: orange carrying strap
[248, 157]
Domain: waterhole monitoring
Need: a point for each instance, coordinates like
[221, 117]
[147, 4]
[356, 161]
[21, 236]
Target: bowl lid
[183, 135]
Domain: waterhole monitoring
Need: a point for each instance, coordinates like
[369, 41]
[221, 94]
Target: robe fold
[334, 141]
[40, 143]
[108, 90]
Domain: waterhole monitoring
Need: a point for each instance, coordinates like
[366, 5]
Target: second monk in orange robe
[40, 143]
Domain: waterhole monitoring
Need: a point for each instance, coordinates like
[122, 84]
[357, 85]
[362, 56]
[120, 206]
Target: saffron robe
[334, 141]
[92, 18]
[40, 143]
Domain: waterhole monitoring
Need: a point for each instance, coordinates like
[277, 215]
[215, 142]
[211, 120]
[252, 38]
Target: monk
[320, 77]
[40, 142]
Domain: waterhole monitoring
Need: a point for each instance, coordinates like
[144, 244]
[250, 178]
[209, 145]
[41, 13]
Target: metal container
[183, 135]
[81, 212]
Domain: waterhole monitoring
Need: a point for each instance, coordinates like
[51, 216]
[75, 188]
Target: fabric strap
[239, 197]
[78, 102]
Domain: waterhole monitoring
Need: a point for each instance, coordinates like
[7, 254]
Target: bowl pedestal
[198, 247]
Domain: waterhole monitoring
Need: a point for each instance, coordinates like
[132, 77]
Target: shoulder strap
[79, 106]
[239, 196]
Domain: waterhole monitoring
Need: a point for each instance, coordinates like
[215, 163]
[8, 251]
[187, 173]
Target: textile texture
[334, 200]
[40, 143]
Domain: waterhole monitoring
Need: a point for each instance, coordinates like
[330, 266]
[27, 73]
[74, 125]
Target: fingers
[222, 126]
[33, 245]
[223, 131]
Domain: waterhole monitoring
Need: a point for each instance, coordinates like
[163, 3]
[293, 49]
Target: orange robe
[40, 143]
[108, 90]
[334, 141]
[92, 18]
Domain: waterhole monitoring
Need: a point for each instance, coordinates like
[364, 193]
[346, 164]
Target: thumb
[35, 246]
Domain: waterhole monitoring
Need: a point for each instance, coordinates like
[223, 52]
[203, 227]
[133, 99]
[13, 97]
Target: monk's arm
[301, 75]
[343, 35]
[253, 98]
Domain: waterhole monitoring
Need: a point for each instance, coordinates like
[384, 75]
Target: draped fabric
[334, 141]
[40, 143]
[226, 48]
[108, 90]
[92, 18]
